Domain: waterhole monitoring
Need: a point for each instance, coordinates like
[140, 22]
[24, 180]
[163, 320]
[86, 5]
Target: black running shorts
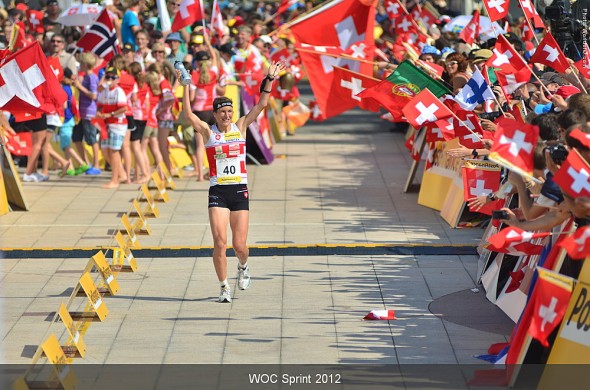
[230, 196]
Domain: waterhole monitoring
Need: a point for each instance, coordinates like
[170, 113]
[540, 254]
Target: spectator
[52, 13]
[130, 24]
[175, 40]
[143, 55]
[140, 114]
[58, 49]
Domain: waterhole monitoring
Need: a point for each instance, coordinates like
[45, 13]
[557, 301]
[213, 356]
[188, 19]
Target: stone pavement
[339, 182]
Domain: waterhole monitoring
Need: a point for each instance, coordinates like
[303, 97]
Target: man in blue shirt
[130, 23]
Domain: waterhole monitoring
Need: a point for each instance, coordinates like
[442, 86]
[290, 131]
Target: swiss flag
[19, 144]
[28, 84]
[340, 23]
[578, 244]
[573, 177]
[425, 107]
[468, 130]
[394, 9]
[549, 300]
[470, 32]
[101, 37]
[497, 9]
[35, 20]
[282, 55]
[583, 65]
[548, 53]
[478, 181]
[316, 112]
[380, 315]
[579, 135]
[526, 33]
[515, 241]
[427, 17]
[514, 145]
[189, 12]
[405, 24]
[56, 68]
[511, 81]
[217, 20]
[440, 130]
[345, 87]
[505, 56]
[531, 13]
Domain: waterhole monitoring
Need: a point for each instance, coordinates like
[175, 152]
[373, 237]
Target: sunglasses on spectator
[111, 77]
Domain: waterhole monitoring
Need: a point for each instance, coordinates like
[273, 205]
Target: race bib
[228, 171]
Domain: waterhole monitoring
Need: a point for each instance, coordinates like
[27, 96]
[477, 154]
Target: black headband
[222, 104]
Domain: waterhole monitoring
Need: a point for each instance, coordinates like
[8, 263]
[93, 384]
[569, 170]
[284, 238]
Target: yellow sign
[75, 336]
[133, 241]
[126, 254]
[152, 208]
[162, 193]
[167, 176]
[100, 308]
[107, 274]
[141, 226]
[58, 359]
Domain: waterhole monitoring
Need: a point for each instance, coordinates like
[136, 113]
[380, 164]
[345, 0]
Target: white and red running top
[226, 155]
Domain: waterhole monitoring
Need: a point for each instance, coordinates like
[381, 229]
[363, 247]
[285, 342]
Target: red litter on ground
[380, 315]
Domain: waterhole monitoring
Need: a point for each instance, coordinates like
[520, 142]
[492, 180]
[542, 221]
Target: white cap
[266, 39]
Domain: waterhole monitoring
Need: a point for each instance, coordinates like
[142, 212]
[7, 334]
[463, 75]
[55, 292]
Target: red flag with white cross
[515, 241]
[573, 177]
[530, 12]
[497, 9]
[424, 108]
[472, 30]
[468, 130]
[511, 81]
[189, 12]
[344, 24]
[549, 300]
[405, 24]
[578, 244]
[548, 53]
[481, 181]
[28, 84]
[579, 135]
[35, 19]
[440, 130]
[394, 9]
[514, 145]
[345, 87]
[526, 33]
[505, 56]
[316, 112]
[583, 65]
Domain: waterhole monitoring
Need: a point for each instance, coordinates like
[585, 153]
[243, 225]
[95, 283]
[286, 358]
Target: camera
[565, 29]
[558, 153]
[499, 214]
[491, 116]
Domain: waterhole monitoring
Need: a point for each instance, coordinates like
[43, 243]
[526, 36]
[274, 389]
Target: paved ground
[336, 183]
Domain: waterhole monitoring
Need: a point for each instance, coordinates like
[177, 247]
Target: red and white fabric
[189, 12]
[573, 177]
[549, 53]
[497, 9]
[425, 107]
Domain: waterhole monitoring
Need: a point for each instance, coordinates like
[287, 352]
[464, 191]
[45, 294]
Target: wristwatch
[492, 196]
[474, 153]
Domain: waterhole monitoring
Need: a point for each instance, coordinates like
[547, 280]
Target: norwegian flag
[472, 30]
[285, 5]
[101, 37]
[526, 33]
[579, 135]
[425, 107]
[549, 300]
[514, 145]
[573, 177]
[548, 53]
[468, 130]
[405, 24]
[531, 13]
[342, 24]
[189, 12]
[380, 315]
[217, 20]
[481, 181]
[515, 241]
[505, 56]
[29, 84]
[394, 9]
[578, 244]
[583, 65]
[511, 81]
[345, 87]
[497, 9]
[19, 144]
[35, 20]
[316, 112]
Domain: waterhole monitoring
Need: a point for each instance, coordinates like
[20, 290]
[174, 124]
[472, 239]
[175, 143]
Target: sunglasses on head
[452, 63]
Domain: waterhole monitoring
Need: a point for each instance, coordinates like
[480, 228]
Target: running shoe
[243, 277]
[93, 171]
[30, 178]
[41, 177]
[225, 294]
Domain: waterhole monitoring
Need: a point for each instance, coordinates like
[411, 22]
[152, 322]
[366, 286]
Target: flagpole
[532, 30]
[577, 78]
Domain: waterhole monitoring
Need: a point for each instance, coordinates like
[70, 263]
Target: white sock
[243, 266]
[223, 283]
